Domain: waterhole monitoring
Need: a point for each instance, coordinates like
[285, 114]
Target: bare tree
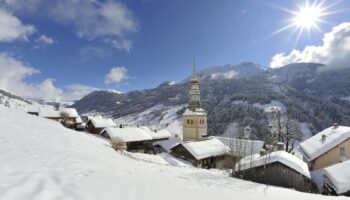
[286, 129]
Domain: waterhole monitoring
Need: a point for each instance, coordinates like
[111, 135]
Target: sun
[308, 17]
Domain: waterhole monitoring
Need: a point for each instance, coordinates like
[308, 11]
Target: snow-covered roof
[206, 148]
[69, 112]
[33, 108]
[278, 156]
[49, 112]
[197, 112]
[339, 175]
[100, 122]
[156, 134]
[315, 146]
[127, 134]
[167, 145]
[240, 147]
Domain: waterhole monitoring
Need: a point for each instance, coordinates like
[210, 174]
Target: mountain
[318, 98]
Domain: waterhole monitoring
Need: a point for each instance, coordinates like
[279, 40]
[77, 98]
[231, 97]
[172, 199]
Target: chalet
[204, 153]
[326, 148]
[96, 124]
[337, 179]
[67, 116]
[128, 138]
[278, 168]
[239, 148]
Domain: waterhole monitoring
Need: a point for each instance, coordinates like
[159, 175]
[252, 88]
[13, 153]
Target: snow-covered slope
[40, 159]
[14, 102]
[156, 117]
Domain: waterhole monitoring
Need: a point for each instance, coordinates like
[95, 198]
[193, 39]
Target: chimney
[323, 138]
[335, 125]
[280, 146]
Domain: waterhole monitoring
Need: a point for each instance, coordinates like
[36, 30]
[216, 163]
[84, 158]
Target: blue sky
[156, 39]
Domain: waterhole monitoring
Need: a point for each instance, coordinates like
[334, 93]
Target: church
[195, 126]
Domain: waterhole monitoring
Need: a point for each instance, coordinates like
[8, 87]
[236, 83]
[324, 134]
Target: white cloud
[46, 40]
[120, 44]
[12, 78]
[13, 75]
[96, 51]
[77, 91]
[20, 5]
[12, 28]
[334, 51]
[94, 20]
[116, 75]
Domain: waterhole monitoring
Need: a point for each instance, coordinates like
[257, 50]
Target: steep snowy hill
[40, 159]
[15, 102]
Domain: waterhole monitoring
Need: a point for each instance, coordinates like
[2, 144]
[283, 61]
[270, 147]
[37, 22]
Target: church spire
[194, 67]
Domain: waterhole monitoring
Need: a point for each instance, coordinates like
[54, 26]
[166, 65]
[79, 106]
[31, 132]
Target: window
[342, 151]
[188, 121]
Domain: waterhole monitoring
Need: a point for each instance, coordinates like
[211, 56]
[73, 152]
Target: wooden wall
[278, 174]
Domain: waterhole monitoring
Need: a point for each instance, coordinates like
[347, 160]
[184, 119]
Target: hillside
[318, 98]
[40, 159]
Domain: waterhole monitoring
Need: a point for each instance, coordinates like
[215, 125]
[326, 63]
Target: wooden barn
[205, 153]
[96, 124]
[277, 168]
[337, 179]
[128, 138]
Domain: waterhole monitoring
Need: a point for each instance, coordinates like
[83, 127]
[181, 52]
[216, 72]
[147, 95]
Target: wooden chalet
[205, 153]
[277, 168]
[129, 138]
[96, 124]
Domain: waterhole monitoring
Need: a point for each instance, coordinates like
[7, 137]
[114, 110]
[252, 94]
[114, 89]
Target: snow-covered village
[87, 110]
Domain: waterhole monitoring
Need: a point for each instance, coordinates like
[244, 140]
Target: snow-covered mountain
[318, 98]
[40, 159]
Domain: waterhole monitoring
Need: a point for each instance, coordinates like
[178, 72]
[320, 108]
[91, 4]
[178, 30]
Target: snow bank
[278, 156]
[206, 148]
[339, 175]
[316, 146]
[41, 160]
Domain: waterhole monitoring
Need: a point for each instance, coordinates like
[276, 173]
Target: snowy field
[40, 159]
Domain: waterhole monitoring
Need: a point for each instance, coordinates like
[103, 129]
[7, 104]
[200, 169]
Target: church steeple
[195, 126]
[194, 94]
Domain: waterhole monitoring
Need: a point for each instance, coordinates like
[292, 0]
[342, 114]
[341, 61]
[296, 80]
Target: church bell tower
[195, 125]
